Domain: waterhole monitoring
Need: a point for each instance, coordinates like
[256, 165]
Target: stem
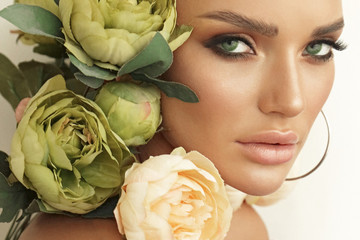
[18, 225]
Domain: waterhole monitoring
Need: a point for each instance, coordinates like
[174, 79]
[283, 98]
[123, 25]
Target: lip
[270, 148]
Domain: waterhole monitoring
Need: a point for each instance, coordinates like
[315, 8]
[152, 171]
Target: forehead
[285, 14]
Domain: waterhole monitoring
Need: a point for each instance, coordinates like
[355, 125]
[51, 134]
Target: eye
[230, 46]
[234, 46]
[322, 49]
[317, 49]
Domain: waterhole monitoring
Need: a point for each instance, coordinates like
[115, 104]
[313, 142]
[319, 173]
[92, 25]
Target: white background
[326, 205]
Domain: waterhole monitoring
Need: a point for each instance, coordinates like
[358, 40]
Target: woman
[262, 71]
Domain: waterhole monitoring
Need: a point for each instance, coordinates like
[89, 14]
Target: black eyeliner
[213, 42]
[337, 45]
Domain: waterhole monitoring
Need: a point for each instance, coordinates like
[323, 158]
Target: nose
[281, 92]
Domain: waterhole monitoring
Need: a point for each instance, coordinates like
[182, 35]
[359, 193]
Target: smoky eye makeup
[231, 46]
[322, 49]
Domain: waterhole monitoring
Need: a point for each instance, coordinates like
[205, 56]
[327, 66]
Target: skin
[277, 87]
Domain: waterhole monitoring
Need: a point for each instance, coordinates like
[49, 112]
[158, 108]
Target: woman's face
[262, 70]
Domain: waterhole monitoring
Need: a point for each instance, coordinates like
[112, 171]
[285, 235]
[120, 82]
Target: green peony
[64, 150]
[133, 110]
[108, 33]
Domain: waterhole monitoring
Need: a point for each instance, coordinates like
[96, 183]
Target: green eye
[318, 49]
[230, 45]
[234, 46]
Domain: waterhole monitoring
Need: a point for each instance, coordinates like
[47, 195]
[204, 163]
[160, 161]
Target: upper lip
[272, 137]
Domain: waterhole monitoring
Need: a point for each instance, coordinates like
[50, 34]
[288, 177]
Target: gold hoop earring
[322, 158]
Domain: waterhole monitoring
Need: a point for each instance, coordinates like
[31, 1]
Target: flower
[64, 150]
[133, 110]
[19, 111]
[176, 196]
[111, 32]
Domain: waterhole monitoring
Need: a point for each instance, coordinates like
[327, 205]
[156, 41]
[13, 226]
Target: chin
[258, 185]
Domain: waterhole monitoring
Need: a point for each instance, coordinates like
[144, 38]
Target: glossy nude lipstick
[270, 148]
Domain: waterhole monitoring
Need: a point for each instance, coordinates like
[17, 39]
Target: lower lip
[269, 154]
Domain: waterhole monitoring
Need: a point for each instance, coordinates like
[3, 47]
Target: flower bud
[133, 110]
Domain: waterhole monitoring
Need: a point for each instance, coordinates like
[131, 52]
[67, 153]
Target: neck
[158, 145]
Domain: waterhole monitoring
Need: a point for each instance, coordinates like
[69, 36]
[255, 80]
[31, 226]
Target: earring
[322, 158]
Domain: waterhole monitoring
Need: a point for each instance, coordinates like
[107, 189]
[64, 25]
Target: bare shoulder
[247, 224]
[54, 227]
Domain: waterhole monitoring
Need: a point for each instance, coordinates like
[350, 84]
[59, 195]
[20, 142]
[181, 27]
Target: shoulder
[247, 224]
[54, 227]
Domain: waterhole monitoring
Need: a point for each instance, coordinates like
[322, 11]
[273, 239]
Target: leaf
[37, 73]
[105, 210]
[50, 50]
[92, 82]
[4, 164]
[171, 89]
[92, 71]
[13, 198]
[153, 60]
[33, 20]
[16, 84]
[76, 86]
[12, 86]
[33, 207]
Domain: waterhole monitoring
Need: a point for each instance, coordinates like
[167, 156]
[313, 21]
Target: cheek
[318, 82]
[193, 125]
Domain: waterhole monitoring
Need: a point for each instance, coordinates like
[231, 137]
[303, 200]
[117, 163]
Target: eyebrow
[238, 20]
[333, 27]
[266, 29]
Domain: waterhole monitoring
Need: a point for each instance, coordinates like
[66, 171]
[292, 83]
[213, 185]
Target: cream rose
[177, 196]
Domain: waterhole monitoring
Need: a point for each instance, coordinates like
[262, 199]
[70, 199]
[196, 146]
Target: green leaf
[171, 89]
[76, 86]
[12, 198]
[153, 60]
[50, 50]
[92, 82]
[105, 210]
[12, 86]
[92, 71]
[36, 74]
[4, 164]
[33, 207]
[33, 20]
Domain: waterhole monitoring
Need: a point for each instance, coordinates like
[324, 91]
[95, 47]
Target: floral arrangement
[81, 117]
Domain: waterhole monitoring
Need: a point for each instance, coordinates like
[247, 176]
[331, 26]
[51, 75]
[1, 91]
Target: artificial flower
[111, 32]
[133, 110]
[20, 109]
[177, 196]
[65, 151]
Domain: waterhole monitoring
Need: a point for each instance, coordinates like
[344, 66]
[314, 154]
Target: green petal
[104, 172]
[31, 147]
[54, 83]
[57, 154]
[77, 51]
[73, 188]
[179, 36]
[43, 181]
[17, 158]
[65, 8]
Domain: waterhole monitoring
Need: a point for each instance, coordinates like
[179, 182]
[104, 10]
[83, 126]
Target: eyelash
[214, 43]
[338, 45]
